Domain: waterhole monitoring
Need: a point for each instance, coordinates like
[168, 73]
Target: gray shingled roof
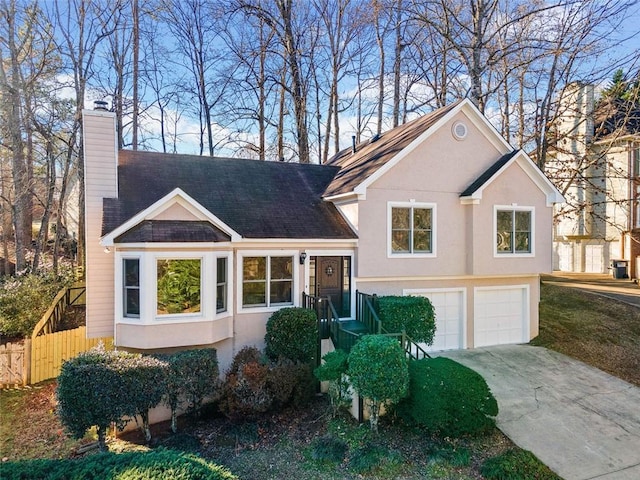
[173, 231]
[374, 154]
[488, 174]
[256, 199]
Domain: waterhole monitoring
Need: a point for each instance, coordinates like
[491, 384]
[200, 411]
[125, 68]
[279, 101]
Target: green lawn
[594, 329]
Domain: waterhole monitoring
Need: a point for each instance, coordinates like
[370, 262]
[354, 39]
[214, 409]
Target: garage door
[448, 305]
[501, 315]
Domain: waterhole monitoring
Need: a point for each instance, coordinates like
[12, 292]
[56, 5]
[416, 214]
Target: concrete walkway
[581, 422]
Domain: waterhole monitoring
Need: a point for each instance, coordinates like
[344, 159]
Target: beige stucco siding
[100, 157]
[437, 171]
[512, 188]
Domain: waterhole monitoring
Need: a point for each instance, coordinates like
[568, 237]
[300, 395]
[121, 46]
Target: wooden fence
[12, 364]
[40, 357]
[50, 350]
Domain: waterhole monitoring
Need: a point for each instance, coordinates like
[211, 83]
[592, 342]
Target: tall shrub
[91, 392]
[378, 372]
[292, 333]
[145, 384]
[193, 375]
[414, 315]
[448, 398]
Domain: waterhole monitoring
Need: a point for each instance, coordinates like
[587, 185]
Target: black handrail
[365, 307]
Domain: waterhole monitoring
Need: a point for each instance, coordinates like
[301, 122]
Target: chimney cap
[100, 105]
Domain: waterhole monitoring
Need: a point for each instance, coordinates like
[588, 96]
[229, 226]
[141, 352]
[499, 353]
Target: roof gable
[374, 158]
[473, 193]
[144, 223]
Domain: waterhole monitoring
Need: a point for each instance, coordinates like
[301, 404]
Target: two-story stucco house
[441, 206]
[595, 160]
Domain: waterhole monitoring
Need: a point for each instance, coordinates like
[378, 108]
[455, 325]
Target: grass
[591, 328]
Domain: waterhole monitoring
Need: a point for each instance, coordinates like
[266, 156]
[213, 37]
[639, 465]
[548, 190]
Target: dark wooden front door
[330, 282]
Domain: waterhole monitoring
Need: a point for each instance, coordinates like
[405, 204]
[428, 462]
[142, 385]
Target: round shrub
[292, 333]
[378, 372]
[448, 399]
[414, 315]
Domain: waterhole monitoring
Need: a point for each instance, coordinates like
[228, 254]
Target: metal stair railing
[329, 325]
[365, 308]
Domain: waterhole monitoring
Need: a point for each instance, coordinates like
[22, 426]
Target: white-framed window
[173, 287]
[268, 279]
[178, 286]
[222, 282]
[131, 287]
[513, 230]
[411, 229]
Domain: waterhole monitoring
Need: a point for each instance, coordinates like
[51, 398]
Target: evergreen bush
[414, 315]
[448, 399]
[190, 377]
[378, 372]
[333, 370]
[292, 333]
[92, 392]
[154, 465]
[516, 464]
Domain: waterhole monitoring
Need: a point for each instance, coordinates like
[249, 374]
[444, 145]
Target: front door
[332, 280]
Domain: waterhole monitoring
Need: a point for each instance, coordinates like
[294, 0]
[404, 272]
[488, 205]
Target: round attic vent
[459, 130]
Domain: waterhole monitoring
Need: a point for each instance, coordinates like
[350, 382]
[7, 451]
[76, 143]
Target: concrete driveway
[581, 422]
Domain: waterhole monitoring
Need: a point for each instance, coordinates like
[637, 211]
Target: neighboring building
[597, 154]
[441, 206]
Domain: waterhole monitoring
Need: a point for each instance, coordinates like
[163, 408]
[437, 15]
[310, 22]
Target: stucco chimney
[100, 182]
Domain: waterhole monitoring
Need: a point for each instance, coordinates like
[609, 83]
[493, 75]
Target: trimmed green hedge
[154, 465]
[292, 333]
[378, 372]
[448, 398]
[414, 315]
[517, 464]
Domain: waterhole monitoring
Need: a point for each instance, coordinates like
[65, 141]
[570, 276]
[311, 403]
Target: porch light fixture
[303, 257]
[107, 250]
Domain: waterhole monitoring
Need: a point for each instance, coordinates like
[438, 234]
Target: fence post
[26, 372]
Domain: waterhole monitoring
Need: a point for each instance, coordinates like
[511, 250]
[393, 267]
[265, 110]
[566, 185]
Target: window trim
[148, 286]
[125, 288]
[434, 230]
[494, 232]
[268, 254]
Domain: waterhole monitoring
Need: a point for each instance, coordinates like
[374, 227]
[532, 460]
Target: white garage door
[448, 305]
[501, 315]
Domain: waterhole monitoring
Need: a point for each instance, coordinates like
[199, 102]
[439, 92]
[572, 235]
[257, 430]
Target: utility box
[619, 268]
